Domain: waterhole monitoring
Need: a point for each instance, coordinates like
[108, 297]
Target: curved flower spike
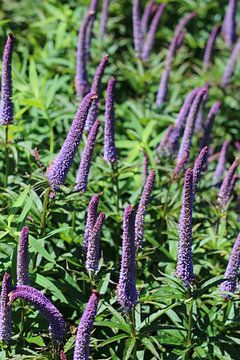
[22, 259]
[5, 310]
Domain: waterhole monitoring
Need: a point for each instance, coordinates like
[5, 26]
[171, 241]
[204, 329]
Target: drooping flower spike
[199, 165]
[229, 23]
[104, 17]
[218, 174]
[93, 244]
[91, 219]
[142, 208]
[127, 294]
[46, 308]
[210, 46]
[227, 75]
[110, 154]
[58, 170]
[148, 12]
[22, 258]
[84, 167]
[137, 28]
[209, 124]
[184, 264]
[89, 32]
[82, 342]
[231, 273]
[5, 310]
[226, 188]
[6, 105]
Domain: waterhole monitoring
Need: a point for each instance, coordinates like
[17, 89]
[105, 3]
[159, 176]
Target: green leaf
[39, 248]
[33, 78]
[49, 285]
[149, 345]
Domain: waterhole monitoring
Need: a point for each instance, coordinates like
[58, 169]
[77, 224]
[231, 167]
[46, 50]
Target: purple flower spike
[93, 244]
[180, 164]
[92, 9]
[184, 265]
[200, 115]
[226, 79]
[22, 260]
[6, 106]
[163, 85]
[209, 124]
[231, 273]
[199, 165]
[104, 17]
[226, 188]
[163, 145]
[57, 172]
[190, 124]
[46, 308]
[96, 87]
[91, 219]
[110, 154]
[81, 350]
[142, 208]
[148, 11]
[84, 167]
[218, 174]
[126, 290]
[148, 44]
[209, 47]
[137, 29]
[229, 23]
[81, 79]
[5, 310]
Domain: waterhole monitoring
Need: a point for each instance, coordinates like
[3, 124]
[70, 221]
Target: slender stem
[22, 320]
[51, 140]
[6, 156]
[115, 182]
[189, 332]
[45, 208]
[133, 331]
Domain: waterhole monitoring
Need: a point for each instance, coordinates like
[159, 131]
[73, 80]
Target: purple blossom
[46, 308]
[199, 165]
[142, 208]
[209, 47]
[190, 124]
[184, 265]
[148, 11]
[126, 289]
[104, 17]
[81, 79]
[6, 105]
[227, 186]
[200, 115]
[181, 163]
[84, 167]
[22, 259]
[137, 29]
[91, 219]
[57, 172]
[93, 244]
[5, 310]
[209, 123]
[163, 145]
[148, 43]
[231, 273]
[96, 88]
[93, 9]
[226, 79]
[110, 154]
[82, 342]
[229, 23]
[218, 174]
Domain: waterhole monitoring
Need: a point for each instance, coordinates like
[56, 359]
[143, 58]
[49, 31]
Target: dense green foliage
[170, 323]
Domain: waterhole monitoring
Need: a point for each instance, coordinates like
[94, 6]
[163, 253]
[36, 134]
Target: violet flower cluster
[104, 17]
[148, 12]
[227, 75]
[227, 186]
[142, 208]
[92, 9]
[137, 28]
[6, 105]
[110, 154]
[22, 258]
[93, 244]
[126, 289]
[5, 310]
[82, 342]
[199, 166]
[198, 128]
[209, 124]
[92, 215]
[229, 23]
[210, 46]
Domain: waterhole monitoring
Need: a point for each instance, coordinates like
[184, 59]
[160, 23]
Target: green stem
[51, 140]
[6, 156]
[115, 183]
[133, 332]
[7, 351]
[189, 332]
[45, 208]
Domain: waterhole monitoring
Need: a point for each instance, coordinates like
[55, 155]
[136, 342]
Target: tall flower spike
[110, 154]
[82, 350]
[84, 167]
[163, 145]
[218, 174]
[57, 172]
[81, 79]
[89, 32]
[5, 310]
[227, 75]
[104, 17]
[46, 308]
[126, 290]
[209, 124]
[199, 165]
[96, 87]
[184, 265]
[190, 123]
[229, 23]
[231, 273]
[148, 43]
[210, 46]
[137, 29]
[148, 11]
[6, 106]
[91, 219]
[181, 164]
[22, 259]
[227, 185]
[93, 244]
[200, 115]
[142, 208]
